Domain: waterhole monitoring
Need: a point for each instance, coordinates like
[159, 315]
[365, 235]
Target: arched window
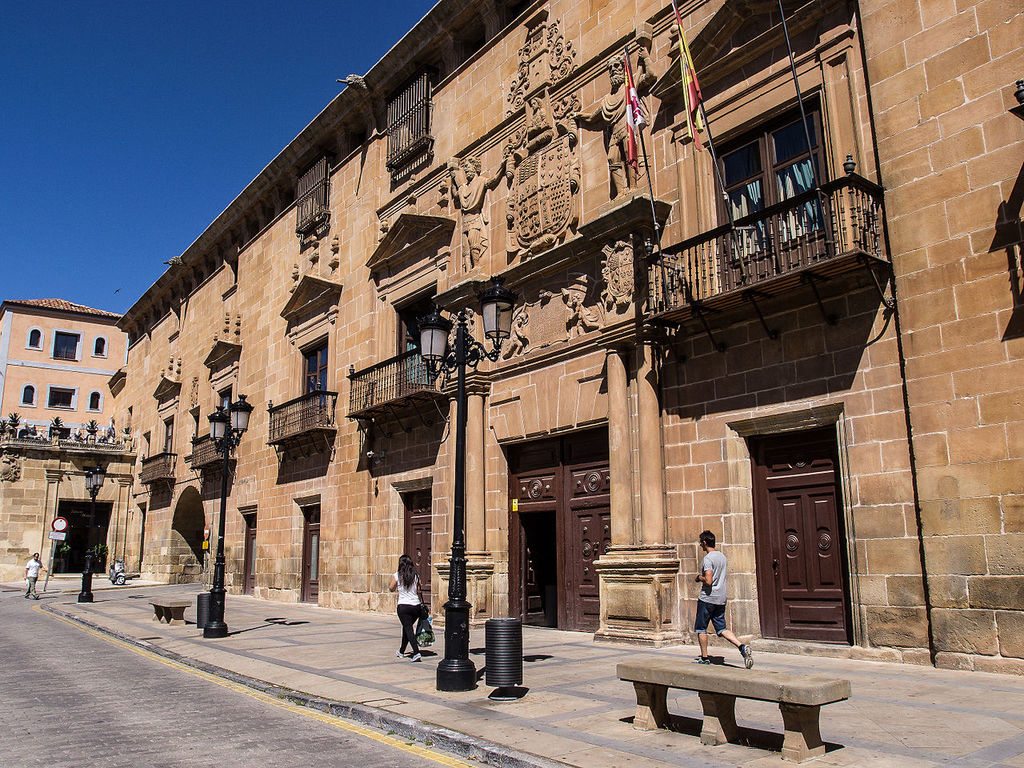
[95, 401]
[28, 395]
[99, 347]
[35, 339]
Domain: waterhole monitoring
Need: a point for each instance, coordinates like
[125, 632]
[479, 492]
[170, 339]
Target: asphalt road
[71, 698]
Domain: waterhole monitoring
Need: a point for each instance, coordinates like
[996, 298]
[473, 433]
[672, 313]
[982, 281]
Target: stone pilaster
[479, 587]
[638, 595]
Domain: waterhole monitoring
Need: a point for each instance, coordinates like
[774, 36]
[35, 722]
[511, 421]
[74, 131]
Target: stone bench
[800, 698]
[170, 613]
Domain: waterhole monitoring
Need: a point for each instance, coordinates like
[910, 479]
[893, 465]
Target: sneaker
[748, 656]
[702, 660]
[401, 655]
[415, 657]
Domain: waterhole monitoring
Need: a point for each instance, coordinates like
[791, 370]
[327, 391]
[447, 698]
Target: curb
[436, 736]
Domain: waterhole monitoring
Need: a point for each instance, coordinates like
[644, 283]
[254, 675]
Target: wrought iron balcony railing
[823, 233]
[158, 468]
[204, 453]
[382, 386]
[304, 415]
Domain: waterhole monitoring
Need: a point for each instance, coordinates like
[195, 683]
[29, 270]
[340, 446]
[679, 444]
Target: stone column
[619, 451]
[652, 461]
[476, 519]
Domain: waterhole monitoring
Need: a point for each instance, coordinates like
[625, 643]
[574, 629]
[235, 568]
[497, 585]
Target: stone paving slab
[575, 710]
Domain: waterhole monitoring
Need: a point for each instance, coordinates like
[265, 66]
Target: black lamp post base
[85, 596]
[215, 629]
[456, 675]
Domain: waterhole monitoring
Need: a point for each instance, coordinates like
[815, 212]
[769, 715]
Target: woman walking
[407, 583]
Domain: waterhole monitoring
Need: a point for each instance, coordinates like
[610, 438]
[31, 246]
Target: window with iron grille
[65, 346]
[409, 136]
[311, 198]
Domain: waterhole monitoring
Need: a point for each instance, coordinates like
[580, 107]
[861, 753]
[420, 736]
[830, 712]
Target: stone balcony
[806, 239]
[304, 419]
[158, 468]
[390, 384]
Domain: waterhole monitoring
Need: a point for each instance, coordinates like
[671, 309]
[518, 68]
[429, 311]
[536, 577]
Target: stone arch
[186, 542]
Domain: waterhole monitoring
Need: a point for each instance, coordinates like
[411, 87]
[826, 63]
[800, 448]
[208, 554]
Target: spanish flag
[692, 97]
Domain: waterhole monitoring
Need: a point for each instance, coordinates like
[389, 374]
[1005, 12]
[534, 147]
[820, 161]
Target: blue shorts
[709, 613]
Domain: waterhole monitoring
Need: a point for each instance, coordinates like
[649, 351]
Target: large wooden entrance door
[311, 554]
[560, 524]
[417, 535]
[249, 562]
[799, 539]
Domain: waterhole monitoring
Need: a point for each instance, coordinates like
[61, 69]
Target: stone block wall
[951, 154]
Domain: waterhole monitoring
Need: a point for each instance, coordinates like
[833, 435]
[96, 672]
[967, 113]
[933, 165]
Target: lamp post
[226, 430]
[94, 477]
[457, 672]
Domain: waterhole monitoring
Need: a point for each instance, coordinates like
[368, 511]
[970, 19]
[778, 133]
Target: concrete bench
[800, 698]
[171, 613]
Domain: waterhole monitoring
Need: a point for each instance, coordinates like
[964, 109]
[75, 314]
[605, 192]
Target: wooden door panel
[592, 537]
[800, 564]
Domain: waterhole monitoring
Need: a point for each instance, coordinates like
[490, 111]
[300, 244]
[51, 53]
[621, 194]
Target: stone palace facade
[812, 347]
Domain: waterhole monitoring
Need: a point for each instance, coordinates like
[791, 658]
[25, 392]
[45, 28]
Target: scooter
[118, 575]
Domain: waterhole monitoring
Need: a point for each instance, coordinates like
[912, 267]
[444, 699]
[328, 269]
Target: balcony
[158, 468]
[803, 239]
[204, 454]
[303, 419]
[382, 387]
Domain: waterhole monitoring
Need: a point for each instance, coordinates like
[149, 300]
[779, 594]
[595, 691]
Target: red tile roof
[61, 305]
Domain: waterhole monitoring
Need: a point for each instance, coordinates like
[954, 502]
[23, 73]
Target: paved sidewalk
[576, 711]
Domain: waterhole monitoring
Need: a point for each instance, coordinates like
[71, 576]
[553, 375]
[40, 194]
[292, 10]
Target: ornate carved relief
[10, 467]
[619, 277]
[470, 188]
[580, 319]
[544, 177]
[518, 342]
[545, 58]
[193, 400]
[609, 114]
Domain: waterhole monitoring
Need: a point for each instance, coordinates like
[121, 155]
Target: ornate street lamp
[94, 477]
[226, 429]
[457, 672]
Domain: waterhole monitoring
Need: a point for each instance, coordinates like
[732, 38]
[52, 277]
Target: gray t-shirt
[714, 561]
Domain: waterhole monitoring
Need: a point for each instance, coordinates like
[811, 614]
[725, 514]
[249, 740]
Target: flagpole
[685, 56]
[829, 244]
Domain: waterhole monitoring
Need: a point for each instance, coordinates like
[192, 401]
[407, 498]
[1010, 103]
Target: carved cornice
[166, 388]
[411, 233]
[222, 353]
[311, 293]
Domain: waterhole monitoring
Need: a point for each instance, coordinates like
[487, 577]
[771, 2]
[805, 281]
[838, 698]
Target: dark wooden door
[311, 555]
[417, 536]
[560, 525]
[249, 563]
[799, 539]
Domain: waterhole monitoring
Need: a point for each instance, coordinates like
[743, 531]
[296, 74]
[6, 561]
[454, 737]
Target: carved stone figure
[581, 319]
[610, 114]
[10, 467]
[470, 189]
[518, 341]
[619, 278]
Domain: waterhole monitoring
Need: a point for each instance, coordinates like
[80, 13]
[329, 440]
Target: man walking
[711, 602]
[31, 575]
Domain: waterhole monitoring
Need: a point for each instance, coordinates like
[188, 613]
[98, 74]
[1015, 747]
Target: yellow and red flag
[692, 96]
[635, 118]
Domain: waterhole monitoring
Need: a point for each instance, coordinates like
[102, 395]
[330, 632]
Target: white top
[408, 596]
[32, 569]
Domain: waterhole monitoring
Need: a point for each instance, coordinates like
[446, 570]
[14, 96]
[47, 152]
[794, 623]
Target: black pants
[408, 614]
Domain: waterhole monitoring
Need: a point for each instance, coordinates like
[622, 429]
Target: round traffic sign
[59, 524]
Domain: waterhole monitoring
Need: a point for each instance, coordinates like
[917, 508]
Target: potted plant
[3, 428]
[13, 420]
[56, 428]
[60, 557]
[92, 428]
[99, 557]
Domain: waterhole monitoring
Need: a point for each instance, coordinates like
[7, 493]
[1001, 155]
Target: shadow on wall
[810, 358]
[1009, 237]
[185, 546]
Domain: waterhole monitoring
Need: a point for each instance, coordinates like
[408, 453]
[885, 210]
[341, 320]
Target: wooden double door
[800, 545]
[560, 524]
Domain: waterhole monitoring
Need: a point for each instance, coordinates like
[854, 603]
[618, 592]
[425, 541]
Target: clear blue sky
[127, 127]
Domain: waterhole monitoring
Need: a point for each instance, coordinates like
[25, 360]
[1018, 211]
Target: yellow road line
[337, 722]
